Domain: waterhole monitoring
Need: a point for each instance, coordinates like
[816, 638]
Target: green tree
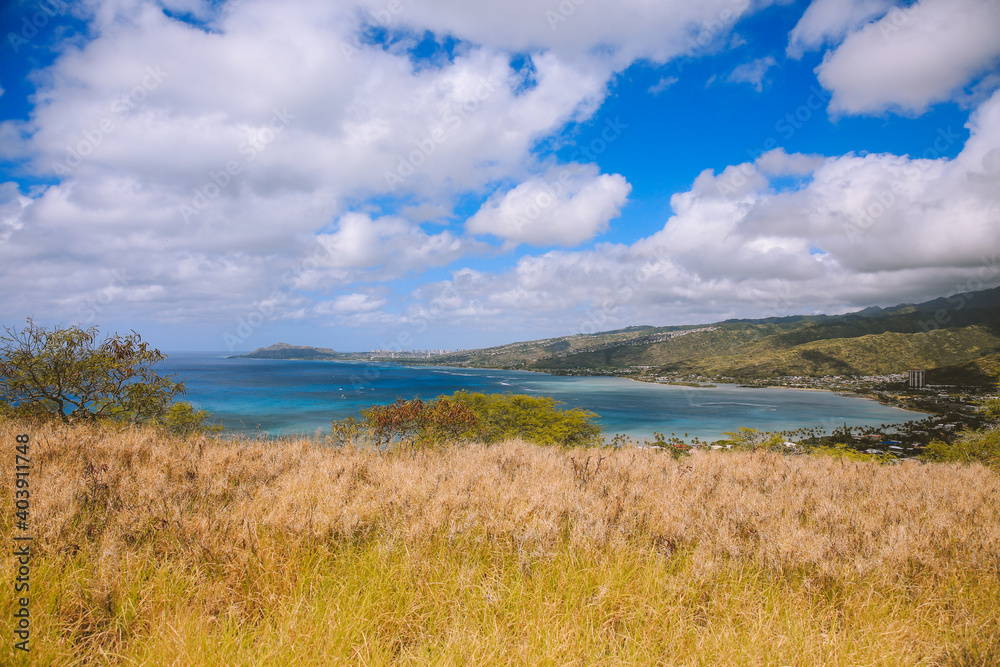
[66, 373]
[532, 418]
[982, 446]
[466, 416]
[183, 419]
[750, 439]
[972, 446]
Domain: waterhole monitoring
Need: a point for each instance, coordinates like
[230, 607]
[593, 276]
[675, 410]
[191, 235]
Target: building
[917, 379]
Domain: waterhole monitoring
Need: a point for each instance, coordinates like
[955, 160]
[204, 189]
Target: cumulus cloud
[209, 162]
[752, 72]
[283, 156]
[566, 207]
[383, 248]
[857, 230]
[913, 57]
[830, 21]
[577, 31]
[210, 150]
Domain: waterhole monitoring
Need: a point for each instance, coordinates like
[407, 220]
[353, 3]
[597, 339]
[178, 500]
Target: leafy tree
[466, 416]
[972, 446]
[751, 439]
[675, 446]
[981, 446]
[349, 430]
[415, 422]
[532, 418]
[66, 373]
[182, 419]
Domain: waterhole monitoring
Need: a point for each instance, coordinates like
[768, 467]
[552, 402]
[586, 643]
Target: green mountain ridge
[958, 335]
[955, 338]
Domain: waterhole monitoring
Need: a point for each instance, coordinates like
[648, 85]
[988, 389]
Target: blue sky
[394, 174]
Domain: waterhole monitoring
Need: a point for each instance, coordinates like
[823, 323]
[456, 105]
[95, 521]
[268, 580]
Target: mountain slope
[952, 332]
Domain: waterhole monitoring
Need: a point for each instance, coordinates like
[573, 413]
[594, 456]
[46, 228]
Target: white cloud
[623, 31]
[779, 163]
[352, 303]
[752, 72]
[216, 158]
[206, 161]
[566, 207]
[383, 248]
[830, 21]
[913, 57]
[212, 171]
[877, 229]
[661, 85]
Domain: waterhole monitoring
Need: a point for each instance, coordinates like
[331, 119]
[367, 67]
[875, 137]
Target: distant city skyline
[397, 175]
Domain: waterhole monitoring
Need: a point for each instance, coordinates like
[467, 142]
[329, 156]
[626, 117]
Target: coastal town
[950, 408]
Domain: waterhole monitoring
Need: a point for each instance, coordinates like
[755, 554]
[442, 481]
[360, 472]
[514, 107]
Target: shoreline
[638, 433]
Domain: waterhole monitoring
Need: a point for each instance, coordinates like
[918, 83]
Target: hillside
[167, 550]
[954, 333]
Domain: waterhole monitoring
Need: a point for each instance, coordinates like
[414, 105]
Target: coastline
[635, 417]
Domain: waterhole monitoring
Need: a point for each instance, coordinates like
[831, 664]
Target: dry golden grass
[156, 550]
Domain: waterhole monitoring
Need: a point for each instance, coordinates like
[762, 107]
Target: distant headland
[286, 351]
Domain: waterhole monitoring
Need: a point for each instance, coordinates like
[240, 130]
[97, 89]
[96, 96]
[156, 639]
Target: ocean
[277, 397]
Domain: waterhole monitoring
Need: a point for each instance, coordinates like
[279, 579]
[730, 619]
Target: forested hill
[954, 335]
[286, 351]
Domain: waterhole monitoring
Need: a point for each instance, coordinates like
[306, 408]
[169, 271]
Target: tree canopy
[67, 373]
[468, 416]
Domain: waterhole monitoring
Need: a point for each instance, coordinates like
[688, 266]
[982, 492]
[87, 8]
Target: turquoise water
[286, 397]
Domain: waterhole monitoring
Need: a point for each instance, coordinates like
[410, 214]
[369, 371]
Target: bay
[280, 397]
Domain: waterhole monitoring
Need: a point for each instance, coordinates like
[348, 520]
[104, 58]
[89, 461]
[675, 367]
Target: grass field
[151, 550]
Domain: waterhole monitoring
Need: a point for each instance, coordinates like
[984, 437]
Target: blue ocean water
[286, 397]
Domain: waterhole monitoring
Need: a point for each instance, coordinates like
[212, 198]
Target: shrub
[182, 419]
[751, 439]
[415, 422]
[969, 447]
[532, 418]
[676, 447]
[467, 416]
